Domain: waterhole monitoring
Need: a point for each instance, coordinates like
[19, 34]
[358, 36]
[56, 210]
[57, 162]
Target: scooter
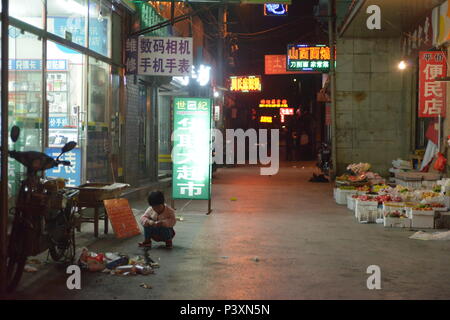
[324, 158]
[43, 213]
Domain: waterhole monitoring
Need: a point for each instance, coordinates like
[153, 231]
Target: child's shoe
[146, 244]
[169, 244]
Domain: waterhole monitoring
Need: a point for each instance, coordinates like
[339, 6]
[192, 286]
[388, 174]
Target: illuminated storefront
[61, 81]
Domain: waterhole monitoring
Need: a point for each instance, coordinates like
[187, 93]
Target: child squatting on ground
[158, 221]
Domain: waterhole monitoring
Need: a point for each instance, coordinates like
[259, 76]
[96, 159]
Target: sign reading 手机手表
[159, 56]
[432, 94]
[191, 154]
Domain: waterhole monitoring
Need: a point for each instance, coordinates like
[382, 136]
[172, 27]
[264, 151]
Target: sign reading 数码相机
[159, 56]
[191, 154]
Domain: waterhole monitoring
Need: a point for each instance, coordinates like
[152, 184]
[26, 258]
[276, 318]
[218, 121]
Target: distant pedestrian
[158, 221]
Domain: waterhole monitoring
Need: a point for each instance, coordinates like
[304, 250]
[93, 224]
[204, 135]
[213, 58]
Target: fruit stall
[413, 200]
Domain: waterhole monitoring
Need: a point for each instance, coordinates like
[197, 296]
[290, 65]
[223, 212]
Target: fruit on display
[347, 188]
[378, 188]
[423, 207]
[343, 177]
[359, 168]
[364, 188]
[437, 205]
[396, 214]
[430, 194]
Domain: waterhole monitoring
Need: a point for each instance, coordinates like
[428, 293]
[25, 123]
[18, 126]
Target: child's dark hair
[155, 198]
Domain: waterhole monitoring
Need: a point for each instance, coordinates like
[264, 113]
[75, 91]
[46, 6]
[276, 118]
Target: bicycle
[44, 214]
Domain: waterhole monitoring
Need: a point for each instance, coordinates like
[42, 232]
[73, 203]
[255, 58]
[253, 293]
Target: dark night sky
[301, 27]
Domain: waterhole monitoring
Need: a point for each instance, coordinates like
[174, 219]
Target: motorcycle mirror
[68, 146]
[15, 132]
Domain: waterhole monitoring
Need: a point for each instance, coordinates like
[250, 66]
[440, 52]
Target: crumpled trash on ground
[30, 269]
[420, 235]
[114, 263]
[145, 286]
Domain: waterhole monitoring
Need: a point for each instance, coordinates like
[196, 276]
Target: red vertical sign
[432, 94]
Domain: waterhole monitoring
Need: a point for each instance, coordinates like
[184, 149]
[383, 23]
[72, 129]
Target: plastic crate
[366, 211]
[351, 202]
[341, 196]
[390, 222]
[422, 219]
[409, 183]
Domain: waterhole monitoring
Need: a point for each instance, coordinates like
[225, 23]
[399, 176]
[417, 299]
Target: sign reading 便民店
[191, 154]
[159, 56]
[432, 94]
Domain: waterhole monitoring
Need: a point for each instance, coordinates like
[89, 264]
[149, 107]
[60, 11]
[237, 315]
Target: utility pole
[332, 39]
[222, 19]
[4, 147]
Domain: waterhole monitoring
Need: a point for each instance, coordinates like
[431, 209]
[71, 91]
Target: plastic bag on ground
[420, 235]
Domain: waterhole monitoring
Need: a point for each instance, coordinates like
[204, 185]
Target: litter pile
[116, 263]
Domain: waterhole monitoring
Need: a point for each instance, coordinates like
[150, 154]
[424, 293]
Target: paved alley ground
[282, 238]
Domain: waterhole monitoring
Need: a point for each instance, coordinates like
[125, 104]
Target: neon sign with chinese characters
[302, 57]
[285, 112]
[265, 119]
[273, 103]
[245, 84]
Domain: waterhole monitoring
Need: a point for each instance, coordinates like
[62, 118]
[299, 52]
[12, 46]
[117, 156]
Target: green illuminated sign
[191, 154]
[301, 57]
[148, 17]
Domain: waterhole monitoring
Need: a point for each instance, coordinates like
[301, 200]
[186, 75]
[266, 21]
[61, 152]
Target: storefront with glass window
[66, 84]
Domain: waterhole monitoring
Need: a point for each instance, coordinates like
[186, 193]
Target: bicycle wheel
[62, 244]
[17, 257]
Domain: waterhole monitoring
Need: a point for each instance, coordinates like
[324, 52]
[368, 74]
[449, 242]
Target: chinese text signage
[265, 119]
[72, 173]
[432, 94]
[274, 103]
[191, 154]
[276, 64]
[159, 56]
[36, 65]
[308, 58]
[245, 84]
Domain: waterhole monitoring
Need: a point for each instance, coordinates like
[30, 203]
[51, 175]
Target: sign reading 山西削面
[159, 56]
[191, 154]
[310, 58]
